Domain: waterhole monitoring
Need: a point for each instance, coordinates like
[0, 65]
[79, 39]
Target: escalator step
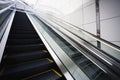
[23, 41]
[23, 57]
[47, 75]
[23, 48]
[25, 29]
[26, 69]
[22, 28]
[25, 36]
[22, 32]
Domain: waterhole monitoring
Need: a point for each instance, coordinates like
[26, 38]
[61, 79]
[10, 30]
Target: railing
[6, 18]
[108, 62]
[5, 2]
[4, 15]
[5, 31]
[88, 33]
[3, 19]
[106, 46]
[9, 5]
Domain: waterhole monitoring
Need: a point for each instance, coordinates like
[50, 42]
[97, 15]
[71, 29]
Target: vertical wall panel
[75, 18]
[110, 20]
[110, 29]
[109, 8]
[89, 14]
[91, 28]
[85, 18]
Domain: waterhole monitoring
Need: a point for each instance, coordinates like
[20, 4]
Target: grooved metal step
[23, 57]
[45, 76]
[25, 36]
[24, 48]
[23, 41]
[26, 69]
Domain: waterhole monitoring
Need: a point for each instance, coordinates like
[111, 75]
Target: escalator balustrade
[25, 56]
[88, 67]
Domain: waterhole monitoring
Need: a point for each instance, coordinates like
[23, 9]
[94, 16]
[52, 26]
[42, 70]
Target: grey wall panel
[83, 15]
[89, 14]
[90, 28]
[85, 18]
[20, 5]
[110, 29]
[109, 8]
[88, 2]
[76, 18]
[110, 20]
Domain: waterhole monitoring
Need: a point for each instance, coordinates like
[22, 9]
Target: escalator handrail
[97, 51]
[5, 2]
[5, 33]
[91, 35]
[90, 44]
[6, 8]
[3, 26]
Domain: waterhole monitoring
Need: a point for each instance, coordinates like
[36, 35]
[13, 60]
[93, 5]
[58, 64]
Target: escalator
[91, 69]
[25, 56]
[88, 67]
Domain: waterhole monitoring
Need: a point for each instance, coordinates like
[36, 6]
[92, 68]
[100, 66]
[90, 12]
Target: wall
[85, 18]
[110, 20]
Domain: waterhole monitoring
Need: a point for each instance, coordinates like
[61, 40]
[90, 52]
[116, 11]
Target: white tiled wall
[109, 8]
[85, 18]
[89, 16]
[110, 20]
[75, 19]
[90, 28]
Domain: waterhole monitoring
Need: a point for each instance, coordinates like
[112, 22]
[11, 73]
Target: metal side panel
[61, 56]
[5, 36]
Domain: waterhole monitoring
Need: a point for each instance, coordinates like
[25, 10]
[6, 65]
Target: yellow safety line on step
[36, 74]
[44, 51]
[57, 73]
[50, 60]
